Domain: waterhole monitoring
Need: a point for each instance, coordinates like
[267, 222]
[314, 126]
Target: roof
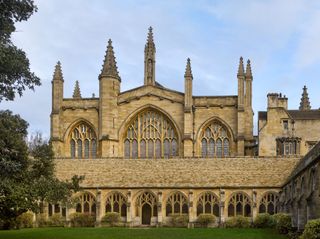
[295, 114]
[304, 114]
[178, 172]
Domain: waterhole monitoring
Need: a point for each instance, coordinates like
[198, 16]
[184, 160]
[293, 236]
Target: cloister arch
[239, 204]
[146, 206]
[208, 203]
[269, 203]
[116, 202]
[86, 203]
[177, 204]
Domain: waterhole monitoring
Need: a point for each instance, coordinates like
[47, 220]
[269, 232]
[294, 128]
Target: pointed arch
[146, 197]
[154, 132]
[215, 138]
[82, 139]
[208, 202]
[116, 202]
[239, 204]
[177, 204]
[86, 203]
[269, 203]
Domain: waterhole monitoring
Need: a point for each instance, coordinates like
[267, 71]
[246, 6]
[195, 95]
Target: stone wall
[300, 193]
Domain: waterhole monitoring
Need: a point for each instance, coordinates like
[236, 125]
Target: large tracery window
[268, 203]
[177, 203]
[83, 142]
[86, 204]
[116, 202]
[239, 205]
[215, 141]
[208, 203]
[151, 135]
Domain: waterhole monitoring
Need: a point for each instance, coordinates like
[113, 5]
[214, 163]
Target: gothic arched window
[239, 205]
[151, 135]
[83, 141]
[215, 141]
[268, 203]
[116, 202]
[86, 204]
[208, 203]
[177, 204]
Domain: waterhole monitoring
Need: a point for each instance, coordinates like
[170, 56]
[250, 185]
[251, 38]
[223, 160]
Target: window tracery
[176, 204]
[239, 205]
[147, 198]
[116, 202]
[86, 204]
[269, 203]
[208, 203]
[150, 135]
[215, 141]
[83, 142]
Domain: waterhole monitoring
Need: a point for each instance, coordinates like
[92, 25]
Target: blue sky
[281, 38]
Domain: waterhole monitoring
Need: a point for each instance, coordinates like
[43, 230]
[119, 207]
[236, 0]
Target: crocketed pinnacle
[109, 67]
[76, 91]
[57, 75]
[241, 67]
[150, 47]
[305, 103]
[248, 70]
[188, 72]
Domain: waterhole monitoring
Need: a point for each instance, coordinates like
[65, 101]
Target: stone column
[191, 211]
[254, 204]
[129, 208]
[45, 210]
[98, 208]
[159, 208]
[222, 206]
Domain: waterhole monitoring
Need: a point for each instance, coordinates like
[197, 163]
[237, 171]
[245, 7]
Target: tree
[15, 74]
[27, 176]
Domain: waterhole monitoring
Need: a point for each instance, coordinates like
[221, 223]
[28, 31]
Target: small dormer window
[285, 125]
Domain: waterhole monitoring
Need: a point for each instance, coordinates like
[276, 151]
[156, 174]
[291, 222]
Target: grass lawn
[143, 233]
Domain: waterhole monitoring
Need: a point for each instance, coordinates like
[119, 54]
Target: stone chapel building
[151, 152]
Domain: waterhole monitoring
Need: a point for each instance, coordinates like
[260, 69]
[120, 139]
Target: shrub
[111, 218]
[25, 220]
[56, 220]
[264, 220]
[42, 220]
[283, 222]
[82, 220]
[180, 220]
[311, 230]
[238, 222]
[206, 219]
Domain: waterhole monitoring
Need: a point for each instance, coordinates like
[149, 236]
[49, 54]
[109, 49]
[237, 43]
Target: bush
[56, 220]
[206, 219]
[25, 220]
[238, 222]
[42, 220]
[82, 220]
[111, 218]
[311, 230]
[283, 223]
[180, 220]
[264, 220]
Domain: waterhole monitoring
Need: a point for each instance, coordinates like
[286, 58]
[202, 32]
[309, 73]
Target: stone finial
[241, 67]
[109, 67]
[57, 75]
[76, 91]
[248, 70]
[150, 46]
[188, 72]
[305, 103]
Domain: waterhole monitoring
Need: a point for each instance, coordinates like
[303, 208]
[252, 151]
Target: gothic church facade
[151, 152]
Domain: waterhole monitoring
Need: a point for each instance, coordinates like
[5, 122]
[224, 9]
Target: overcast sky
[281, 38]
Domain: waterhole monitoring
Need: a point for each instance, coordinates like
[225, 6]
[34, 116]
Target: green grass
[141, 233]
